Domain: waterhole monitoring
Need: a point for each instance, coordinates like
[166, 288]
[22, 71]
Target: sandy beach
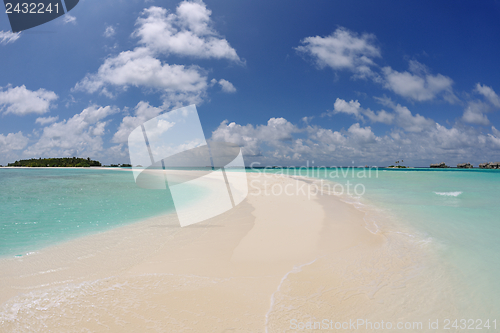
[274, 262]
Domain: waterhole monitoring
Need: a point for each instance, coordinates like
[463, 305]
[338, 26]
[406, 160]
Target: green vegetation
[397, 166]
[56, 162]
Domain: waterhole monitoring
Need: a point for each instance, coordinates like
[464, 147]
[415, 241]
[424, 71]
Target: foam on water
[450, 194]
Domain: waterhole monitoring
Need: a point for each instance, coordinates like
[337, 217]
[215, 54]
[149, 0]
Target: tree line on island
[86, 163]
[63, 162]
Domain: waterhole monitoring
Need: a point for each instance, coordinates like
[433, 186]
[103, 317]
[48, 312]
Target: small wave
[449, 194]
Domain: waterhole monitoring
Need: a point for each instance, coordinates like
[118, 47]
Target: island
[64, 162]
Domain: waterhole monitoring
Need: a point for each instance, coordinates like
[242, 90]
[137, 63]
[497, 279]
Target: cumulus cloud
[188, 32]
[79, 135]
[250, 137]
[476, 109]
[12, 141]
[227, 86]
[495, 137]
[7, 37]
[142, 113]
[346, 50]
[405, 119]
[401, 117]
[414, 138]
[296, 145]
[46, 120]
[138, 68]
[109, 31]
[418, 84]
[351, 108]
[21, 101]
[489, 94]
[354, 108]
[475, 113]
[343, 49]
[281, 142]
[362, 134]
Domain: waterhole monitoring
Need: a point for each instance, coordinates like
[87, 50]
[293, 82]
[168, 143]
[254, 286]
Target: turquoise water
[456, 211]
[41, 207]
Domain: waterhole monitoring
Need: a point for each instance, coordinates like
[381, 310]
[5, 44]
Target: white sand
[255, 268]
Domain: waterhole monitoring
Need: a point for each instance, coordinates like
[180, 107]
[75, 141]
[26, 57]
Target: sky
[325, 83]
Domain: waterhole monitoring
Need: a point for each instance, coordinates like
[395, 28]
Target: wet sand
[273, 262]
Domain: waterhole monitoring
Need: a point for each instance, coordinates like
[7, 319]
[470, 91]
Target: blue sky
[335, 82]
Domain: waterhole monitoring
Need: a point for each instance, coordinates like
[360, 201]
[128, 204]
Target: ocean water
[42, 207]
[455, 213]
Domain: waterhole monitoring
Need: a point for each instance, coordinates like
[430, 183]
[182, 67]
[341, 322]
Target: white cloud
[354, 108]
[475, 118]
[138, 68]
[381, 116]
[418, 85]
[12, 141]
[494, 140]
[343, 49]
[277, 142]
[475, 113]
[347, 50]
[142, 113]
[46, 120]
[249, 137]
[227, 86]
[405, 119]
[457, 144]
[188, 32]
[351, 108]
[362, 134]
[411, 123]
[21, 101]
[7, 37]
[80, 135]
[489, 93]
[69, 19]
[109, 31]
[326, 136]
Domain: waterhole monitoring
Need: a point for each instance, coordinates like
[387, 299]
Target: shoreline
[241, 270]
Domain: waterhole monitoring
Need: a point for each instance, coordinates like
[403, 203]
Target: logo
[170, 152]
[26, 14]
